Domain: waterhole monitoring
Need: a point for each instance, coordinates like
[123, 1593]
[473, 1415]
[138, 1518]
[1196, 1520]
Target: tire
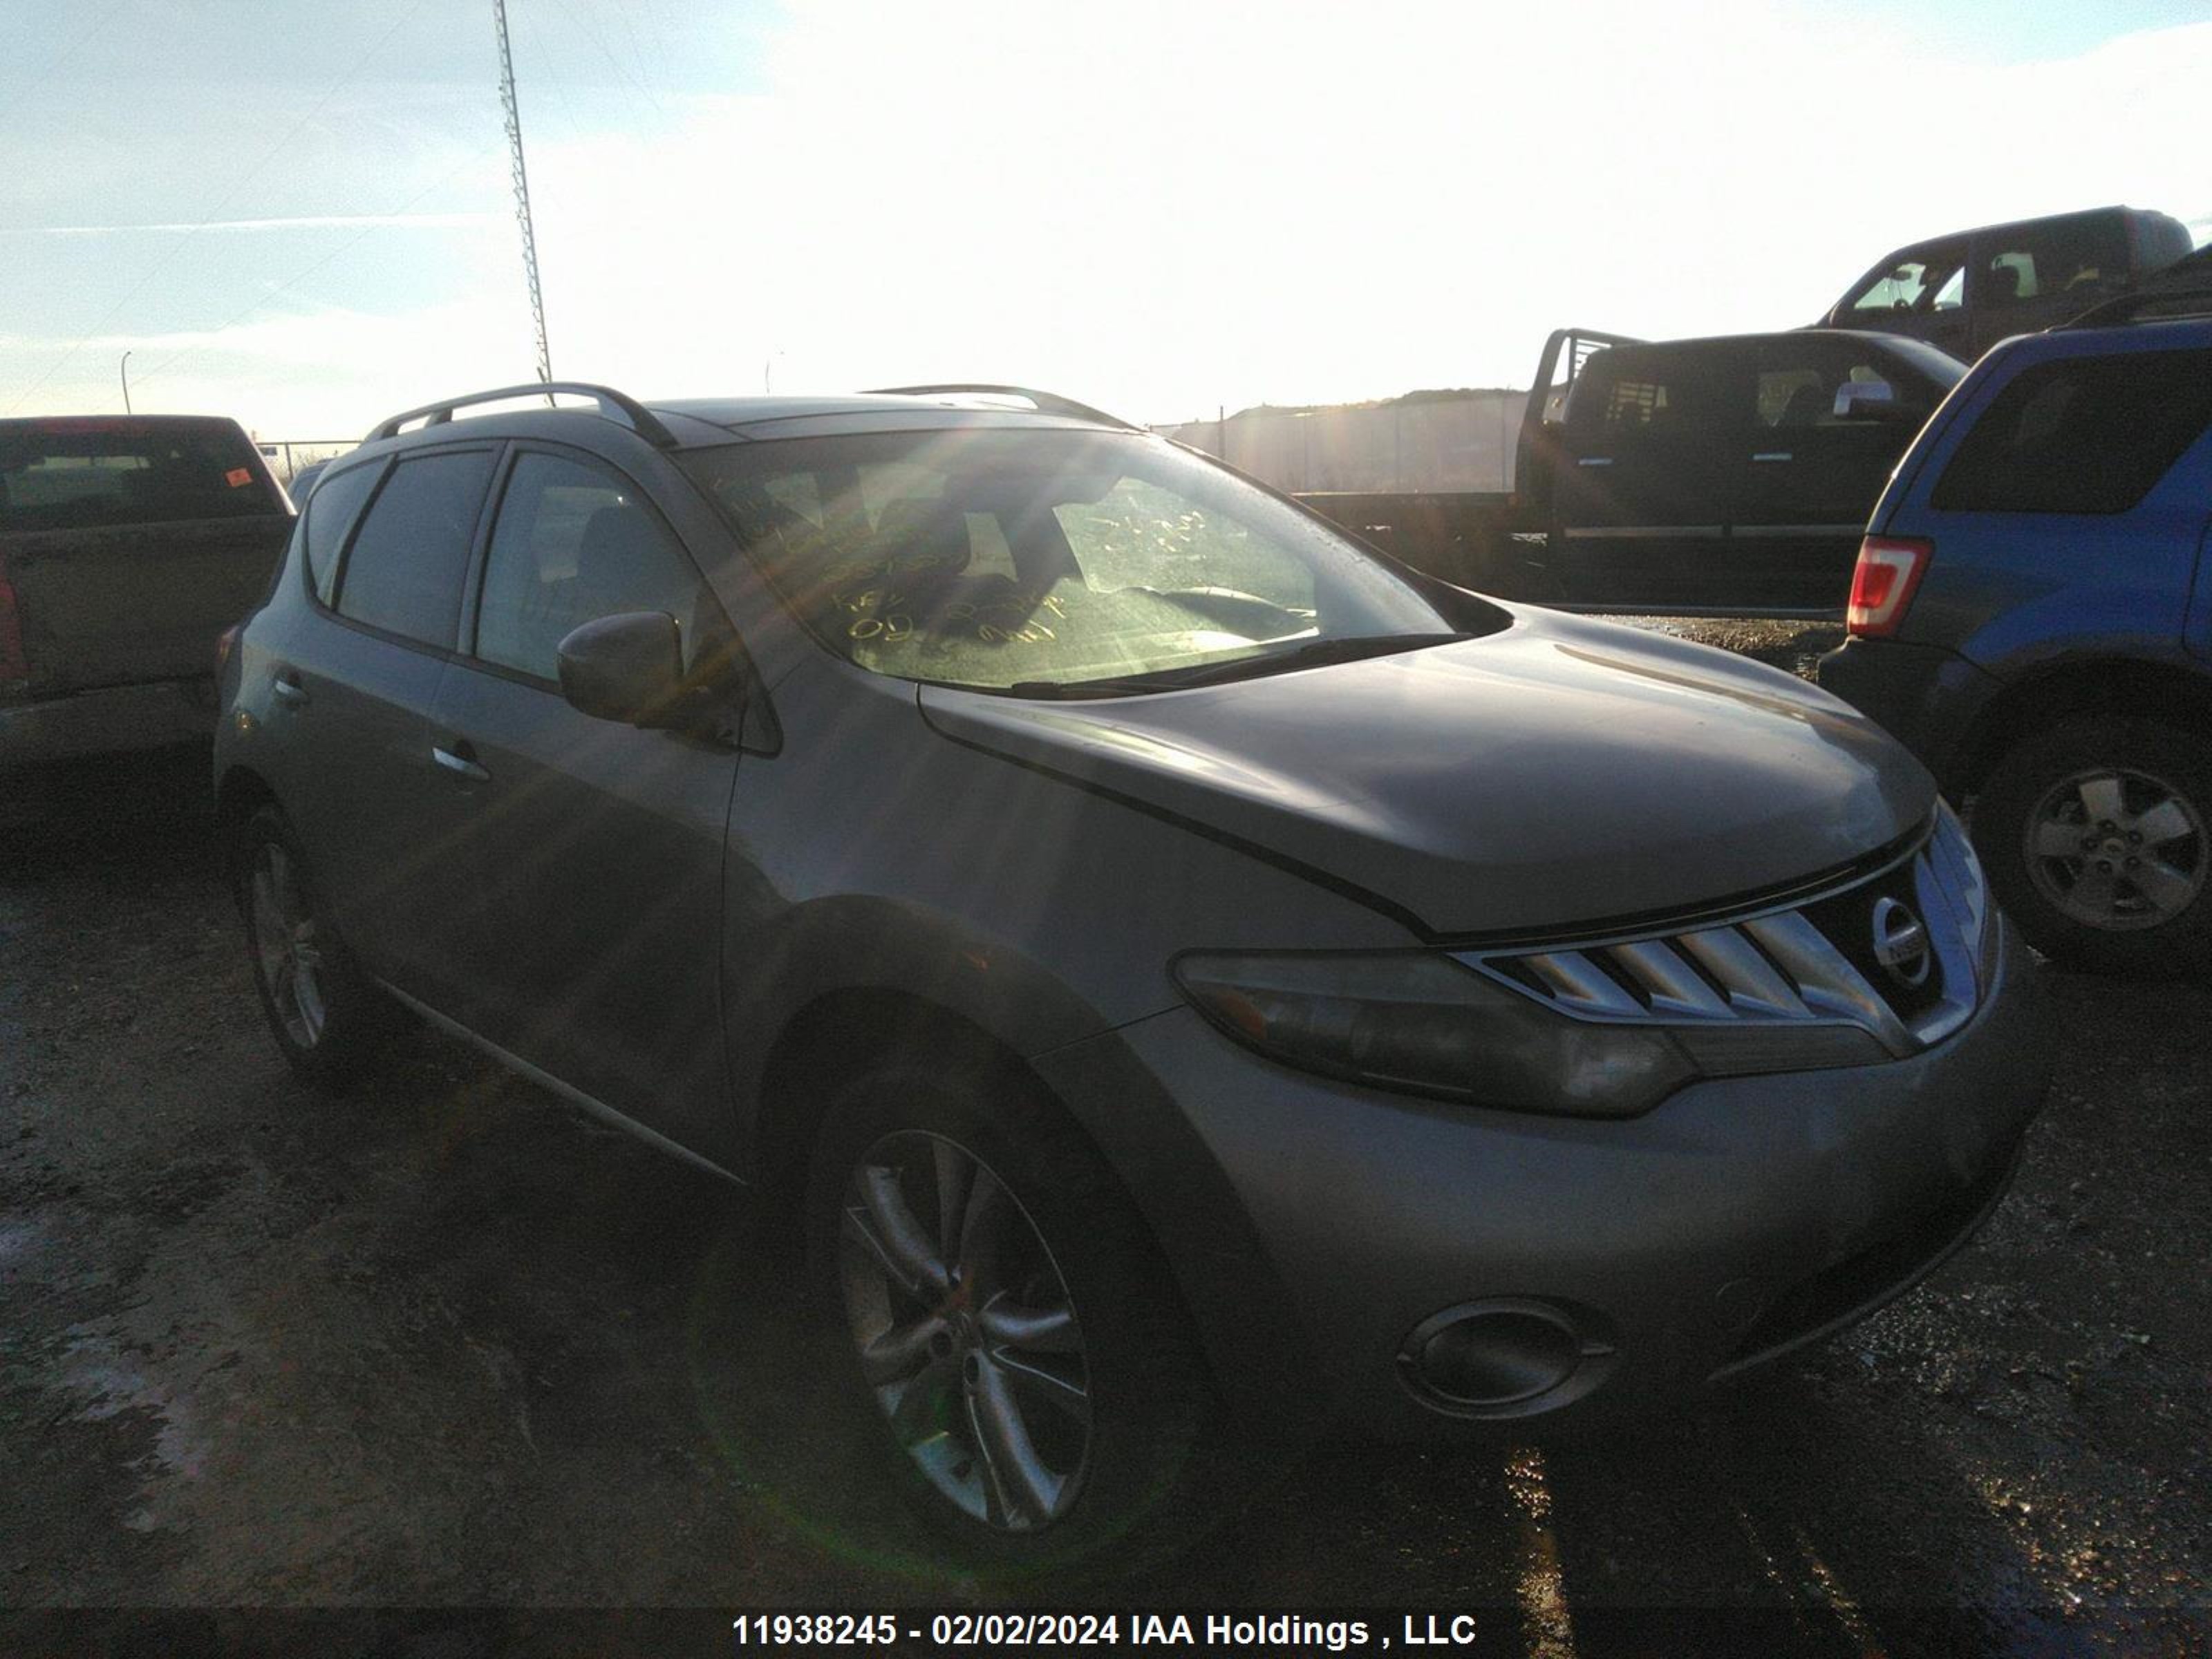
[1036, 1393]
[2097, 836]
[328, 1021]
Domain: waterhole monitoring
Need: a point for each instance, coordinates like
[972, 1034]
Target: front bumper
[1737, 1220]
[110, 720]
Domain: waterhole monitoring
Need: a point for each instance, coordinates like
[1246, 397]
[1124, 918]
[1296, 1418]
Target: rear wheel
[1006, 1325]
[2097, 834]
[327, 1019]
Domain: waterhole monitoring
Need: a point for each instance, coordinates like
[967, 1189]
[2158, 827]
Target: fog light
[1484, 1358]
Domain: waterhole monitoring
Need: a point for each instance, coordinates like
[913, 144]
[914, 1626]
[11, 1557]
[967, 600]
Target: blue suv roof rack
[2183, 288]
[643, 421]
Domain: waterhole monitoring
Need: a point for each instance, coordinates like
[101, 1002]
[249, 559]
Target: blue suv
[2031, 614]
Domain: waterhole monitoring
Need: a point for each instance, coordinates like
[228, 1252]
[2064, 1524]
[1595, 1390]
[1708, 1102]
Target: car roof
[2006, 225]
[132, 423]
[687, 423]
[2088, 339]
[860, 411]
[1852, 337]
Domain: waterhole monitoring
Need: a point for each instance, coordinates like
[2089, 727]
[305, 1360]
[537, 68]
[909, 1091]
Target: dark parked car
[127, 544]
[1967, 290]
[2032, 616]
[1733, 473]
[1729, 476]
[1171, 957]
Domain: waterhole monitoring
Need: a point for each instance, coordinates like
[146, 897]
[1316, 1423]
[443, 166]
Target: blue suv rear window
[2080, 435]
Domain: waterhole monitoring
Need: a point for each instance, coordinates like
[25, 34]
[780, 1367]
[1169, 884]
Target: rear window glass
[130, 472]
[404, 572]
[2081, 435]
[330, 513]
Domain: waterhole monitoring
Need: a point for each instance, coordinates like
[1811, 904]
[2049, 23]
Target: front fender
[862, 944]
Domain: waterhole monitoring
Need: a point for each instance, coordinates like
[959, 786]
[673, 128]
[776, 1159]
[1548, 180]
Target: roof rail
[642, 420]
[1045, 403]
[2146, 306]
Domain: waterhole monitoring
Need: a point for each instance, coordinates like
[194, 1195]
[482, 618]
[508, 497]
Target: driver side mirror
[628, 667]
[1860, 400]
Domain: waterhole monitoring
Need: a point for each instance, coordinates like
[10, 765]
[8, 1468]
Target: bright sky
[300, 214]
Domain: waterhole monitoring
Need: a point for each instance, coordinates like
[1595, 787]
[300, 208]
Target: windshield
[1031, 558]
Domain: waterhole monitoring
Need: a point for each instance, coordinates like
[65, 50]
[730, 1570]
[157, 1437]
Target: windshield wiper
[1314, 653]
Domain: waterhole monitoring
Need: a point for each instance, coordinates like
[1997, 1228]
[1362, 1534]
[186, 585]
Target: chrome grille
[1800, 965]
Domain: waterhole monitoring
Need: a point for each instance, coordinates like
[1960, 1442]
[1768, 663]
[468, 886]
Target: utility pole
[124, 369]
[521, 190]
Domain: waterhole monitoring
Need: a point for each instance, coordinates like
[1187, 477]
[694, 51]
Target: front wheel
[1007, 1330]
[2094, 832]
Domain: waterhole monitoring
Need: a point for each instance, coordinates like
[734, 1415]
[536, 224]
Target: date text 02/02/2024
[969, 1630]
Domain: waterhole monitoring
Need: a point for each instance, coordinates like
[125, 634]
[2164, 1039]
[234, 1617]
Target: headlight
[1419, 1022]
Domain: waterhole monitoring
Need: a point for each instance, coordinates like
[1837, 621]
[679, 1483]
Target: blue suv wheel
[2093, 833]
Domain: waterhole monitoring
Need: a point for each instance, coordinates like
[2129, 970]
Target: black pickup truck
[1969, 289]
[127, 544]
[1730, 476]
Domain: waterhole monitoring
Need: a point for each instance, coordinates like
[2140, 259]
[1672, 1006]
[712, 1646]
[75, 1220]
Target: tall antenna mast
[521, 189]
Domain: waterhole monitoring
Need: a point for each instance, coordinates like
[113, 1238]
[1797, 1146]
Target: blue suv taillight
[1882, 583]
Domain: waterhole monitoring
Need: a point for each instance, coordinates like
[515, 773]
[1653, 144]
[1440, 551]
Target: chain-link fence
[287, 456]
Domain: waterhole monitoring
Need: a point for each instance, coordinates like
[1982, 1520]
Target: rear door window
[574, 543]
[2081, 435]
[2076, 257]
[1633, 395]
[1630, 393]
[78, 477]
[404, 571]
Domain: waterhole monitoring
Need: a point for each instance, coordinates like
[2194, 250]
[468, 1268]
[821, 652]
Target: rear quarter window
[2082, 435]
[81, 477]
[330, 513]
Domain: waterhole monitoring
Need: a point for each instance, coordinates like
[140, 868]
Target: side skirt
[552, 1085]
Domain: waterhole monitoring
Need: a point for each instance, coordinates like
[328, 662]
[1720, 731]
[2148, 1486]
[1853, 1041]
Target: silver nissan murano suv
[1180, 966]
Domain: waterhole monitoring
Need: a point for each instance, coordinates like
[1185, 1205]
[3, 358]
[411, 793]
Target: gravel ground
[1784, 642]
[448, 1344]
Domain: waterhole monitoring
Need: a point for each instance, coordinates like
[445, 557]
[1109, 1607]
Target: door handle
[463, 763]
[289, 690]
[1593, 460]
[1773, 455]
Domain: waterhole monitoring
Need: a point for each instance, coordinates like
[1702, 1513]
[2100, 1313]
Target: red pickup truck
[127, 544]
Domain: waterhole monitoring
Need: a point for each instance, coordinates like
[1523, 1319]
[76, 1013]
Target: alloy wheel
[287, 946]
[965, 1331]
[2117, 848]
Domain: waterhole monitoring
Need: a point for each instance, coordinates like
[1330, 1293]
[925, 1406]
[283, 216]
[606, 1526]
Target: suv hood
[1556, 774]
